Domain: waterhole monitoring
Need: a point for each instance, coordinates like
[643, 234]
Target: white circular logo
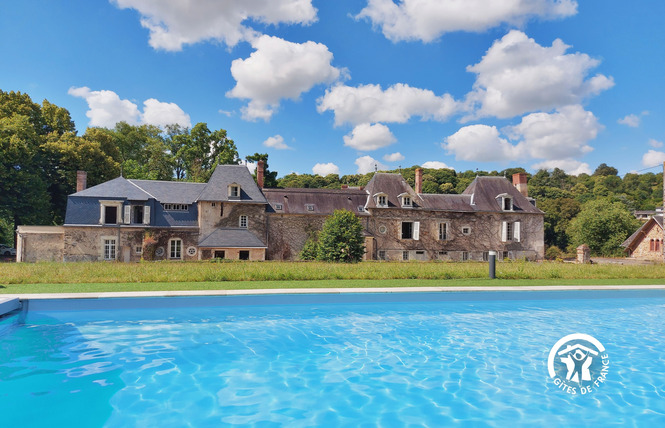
[578, 363]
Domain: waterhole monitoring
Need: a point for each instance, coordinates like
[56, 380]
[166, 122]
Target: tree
[269, 177]
[602, 224]
[341, 239]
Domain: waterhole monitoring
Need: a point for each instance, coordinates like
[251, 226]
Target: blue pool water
[402, 359]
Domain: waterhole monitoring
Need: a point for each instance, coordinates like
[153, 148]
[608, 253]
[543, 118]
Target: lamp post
[492, 260]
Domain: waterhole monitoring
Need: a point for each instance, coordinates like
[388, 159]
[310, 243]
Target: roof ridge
[141, 189]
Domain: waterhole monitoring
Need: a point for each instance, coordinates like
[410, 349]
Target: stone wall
[40, 243]
[255, 254]
[643, 250]
[214, 215]
[287, 234]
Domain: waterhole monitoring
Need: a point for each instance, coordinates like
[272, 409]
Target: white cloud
[162, 114]
[479, 143]
[397, 104]
[105, 109]
[276, 142]
[367, 164]
[571, 166]
[174, 23]
[393, 157]
[279, 69]
[653, 158]
[517, 76]
[655, 143]
[435, 165]
[560, 135]
[366, 137]
[324, 169]
[251, 166]
[426, 20]
[631, 120]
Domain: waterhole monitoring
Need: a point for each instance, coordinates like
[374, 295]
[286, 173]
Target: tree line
[40, 152]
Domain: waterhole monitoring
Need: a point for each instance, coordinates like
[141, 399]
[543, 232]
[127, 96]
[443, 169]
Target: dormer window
[381, 200]
[406, 200]
[234, 191]
[506, 201]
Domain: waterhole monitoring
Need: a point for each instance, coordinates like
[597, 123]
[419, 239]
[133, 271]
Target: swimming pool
[401, 359]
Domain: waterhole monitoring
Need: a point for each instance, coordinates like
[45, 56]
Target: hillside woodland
[40, 152]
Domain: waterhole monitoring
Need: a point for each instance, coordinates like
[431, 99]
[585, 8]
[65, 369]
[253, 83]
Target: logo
[578, 364]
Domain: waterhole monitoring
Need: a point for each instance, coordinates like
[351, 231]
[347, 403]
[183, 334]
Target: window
[214, 204]
[138, 249]
[382, 201]
[510, 231]
[234, 191]
[191, 251]
[309, 207]
[110, 215]
[109, 249]
[405, 255]
[411, 230]
[382, 254]
[175, 207]
[383, 229]
[654, 245]
[466, 230]
[243, 221]
[361, 208]
[507, 204]
[406, 201]
[243, 255]
[486, 256]
[505, 255]
[465, 256]
[175, 248]
[219, 254]
[110, 212]
[279, 207]
[657, 245]
[138, 214]
[443, 231]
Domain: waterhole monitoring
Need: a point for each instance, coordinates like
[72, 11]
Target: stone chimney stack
[81, 180]
[419, 180]
[260, 171]
[519, 181]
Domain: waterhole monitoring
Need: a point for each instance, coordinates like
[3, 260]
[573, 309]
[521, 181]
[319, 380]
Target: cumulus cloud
[435, 165]
[631, 120]
[655, 143]
[517, 76]
[324, 169]
[279, 69]
[276, 142]
[161, 114]
[559, 135]
[480, 143]
[426, 20]
[366, 137]
[105, 109]
[174, 23]
[571, 166]
[393, 157]
[653, 158]
[367, 164]
[397, 104]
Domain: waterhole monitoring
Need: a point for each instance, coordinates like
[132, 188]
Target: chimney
[419, 180]
[259, 173]
[519, 181]
[81, 180]
[345, 186]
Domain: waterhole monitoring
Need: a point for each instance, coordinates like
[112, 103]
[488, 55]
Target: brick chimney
[81, 180]
[519, 181]
[260, 171]
[419, 180]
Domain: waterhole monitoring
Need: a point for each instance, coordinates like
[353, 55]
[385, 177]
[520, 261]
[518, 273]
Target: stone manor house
[232, 216]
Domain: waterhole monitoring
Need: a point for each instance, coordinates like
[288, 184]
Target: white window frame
[468, 228]
[415, 230]
[109, 248]
[175, 207]
[234, 191]
[102, 211]
[406, 202]
[405, 255]
[138, 249]
[381, 200]
[510, 231]
[175, 249]
[465, 256]
[243, 221]
[444, 231]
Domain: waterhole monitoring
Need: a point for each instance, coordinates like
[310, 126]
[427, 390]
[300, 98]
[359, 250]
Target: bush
[340, 240]
[553, 252]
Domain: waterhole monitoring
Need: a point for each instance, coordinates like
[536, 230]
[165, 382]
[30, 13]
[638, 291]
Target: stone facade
[650, 246]
[40, 243]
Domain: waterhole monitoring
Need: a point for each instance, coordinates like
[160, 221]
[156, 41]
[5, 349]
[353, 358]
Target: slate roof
[437, 202]
[119, 188]
[392, 185]
[322, 201]
[171, 192]
[231, 238]
[224, 175]
[486, 189]
[634, 240]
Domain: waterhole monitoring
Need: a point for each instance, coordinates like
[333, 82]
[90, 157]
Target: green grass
[152, 276]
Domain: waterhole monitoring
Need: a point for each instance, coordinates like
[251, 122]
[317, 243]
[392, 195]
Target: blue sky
[340, 86]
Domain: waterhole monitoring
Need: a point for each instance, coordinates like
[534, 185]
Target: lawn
[151, 276]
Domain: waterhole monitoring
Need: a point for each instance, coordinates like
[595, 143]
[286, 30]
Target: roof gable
[484, 191]
[224, 175]
[634, 240]
[393, 186]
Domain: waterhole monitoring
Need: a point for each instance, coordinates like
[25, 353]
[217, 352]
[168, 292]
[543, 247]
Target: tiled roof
[315, 201]
[231, 238]
[224, 175]
[119, 188]
[171, 192]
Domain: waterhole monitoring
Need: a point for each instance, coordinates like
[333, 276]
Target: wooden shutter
[416, 230]
[146, 214]
[504, 231]
[516, 230]
[128, 214]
